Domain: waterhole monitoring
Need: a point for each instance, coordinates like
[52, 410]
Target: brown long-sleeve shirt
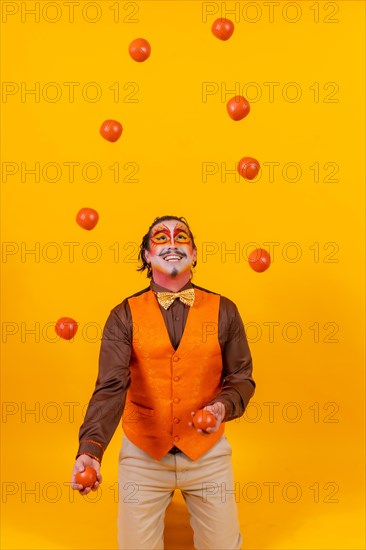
[108, 400]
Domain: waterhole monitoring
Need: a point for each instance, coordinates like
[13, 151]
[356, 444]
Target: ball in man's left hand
[204, 419]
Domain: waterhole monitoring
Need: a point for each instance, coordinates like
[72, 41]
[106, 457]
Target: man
[166, 352]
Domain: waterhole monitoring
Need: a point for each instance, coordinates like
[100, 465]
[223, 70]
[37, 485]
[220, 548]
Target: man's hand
[218, 410]
[81, 463]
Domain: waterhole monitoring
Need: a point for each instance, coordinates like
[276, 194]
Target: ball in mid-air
[111, 130]
[259, 260]
[66, 328]
[238, 107]
[87, 218]
[222, 28]
[248, 168]
[139, 49]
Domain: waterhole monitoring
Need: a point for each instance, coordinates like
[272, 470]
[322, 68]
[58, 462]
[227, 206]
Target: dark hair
[145, 245]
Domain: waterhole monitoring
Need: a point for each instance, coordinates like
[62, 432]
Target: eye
[160, 238]
[182, 237]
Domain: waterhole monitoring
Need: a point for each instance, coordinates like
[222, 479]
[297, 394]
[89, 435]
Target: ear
[147, 256]
[195, 254]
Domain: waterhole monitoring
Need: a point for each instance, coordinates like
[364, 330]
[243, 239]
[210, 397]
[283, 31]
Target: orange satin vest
[166, 385]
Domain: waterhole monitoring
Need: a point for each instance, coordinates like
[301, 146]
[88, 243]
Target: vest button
[176, 438]
[176, 378]
[175, 358]
[176, 400]
[176, 420]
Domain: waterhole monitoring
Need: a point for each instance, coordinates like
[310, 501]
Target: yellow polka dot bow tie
[166, 299]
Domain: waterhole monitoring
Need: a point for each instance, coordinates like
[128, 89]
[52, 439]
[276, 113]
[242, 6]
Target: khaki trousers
[146, 487]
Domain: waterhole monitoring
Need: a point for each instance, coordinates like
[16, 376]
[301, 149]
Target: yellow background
[311, 448]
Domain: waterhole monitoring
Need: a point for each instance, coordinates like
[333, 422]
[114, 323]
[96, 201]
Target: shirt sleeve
[238, 384]
[108, 400]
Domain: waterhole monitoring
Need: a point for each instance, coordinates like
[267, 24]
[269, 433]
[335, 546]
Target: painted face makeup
[162, 235]
[171, 251]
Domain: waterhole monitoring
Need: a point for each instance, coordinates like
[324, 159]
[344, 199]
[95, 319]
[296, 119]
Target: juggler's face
[171, 251]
